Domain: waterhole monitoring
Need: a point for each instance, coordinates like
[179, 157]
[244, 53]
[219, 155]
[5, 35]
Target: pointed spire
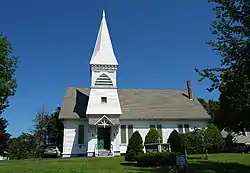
[103, 52]
[103, 13]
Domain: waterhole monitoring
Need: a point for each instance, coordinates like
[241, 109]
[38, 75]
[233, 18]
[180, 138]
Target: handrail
[96, 149]
[111, 149]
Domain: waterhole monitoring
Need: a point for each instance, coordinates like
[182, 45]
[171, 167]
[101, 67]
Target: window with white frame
[180, 128]
[183, 128]
[123, 134]
[186, 127]
[126, 134]
[130, 131]
[81, 134]
[157, 126]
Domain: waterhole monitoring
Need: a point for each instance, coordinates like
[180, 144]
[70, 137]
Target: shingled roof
[139, 104]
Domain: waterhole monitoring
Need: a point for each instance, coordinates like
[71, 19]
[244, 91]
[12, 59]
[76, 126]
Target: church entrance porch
[103, 135]
[103, 138]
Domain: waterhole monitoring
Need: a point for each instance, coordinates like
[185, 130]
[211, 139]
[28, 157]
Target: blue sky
[157, 44]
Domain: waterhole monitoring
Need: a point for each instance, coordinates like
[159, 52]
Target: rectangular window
[180, 128]
[81, 134]
[123, 134]
[104, 99]
[130, 131]
[159, 128]
[186, 126]
[152, 126]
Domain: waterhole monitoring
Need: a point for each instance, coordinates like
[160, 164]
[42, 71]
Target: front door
[103, 138]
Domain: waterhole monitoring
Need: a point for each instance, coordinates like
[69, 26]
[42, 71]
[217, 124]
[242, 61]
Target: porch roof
[112, 120]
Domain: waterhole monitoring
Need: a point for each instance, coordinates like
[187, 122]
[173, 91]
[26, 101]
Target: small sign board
[181, 161]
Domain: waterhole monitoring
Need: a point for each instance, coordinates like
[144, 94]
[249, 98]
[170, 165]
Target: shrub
[135, 147]
[156, 159]
[230, 140]
[176, 142]
[152, 136]
[193, 142]
[213, 139]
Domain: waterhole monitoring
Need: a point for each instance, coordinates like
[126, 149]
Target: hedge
[156, 159]
[197, 141]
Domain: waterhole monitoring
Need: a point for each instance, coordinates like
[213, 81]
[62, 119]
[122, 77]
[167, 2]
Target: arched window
[103, 80]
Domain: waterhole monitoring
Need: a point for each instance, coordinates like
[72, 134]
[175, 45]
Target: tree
[22, 147]
[48, 129]
[4, 135]
[232, 30]
[194, 143]
[213, 139]
[213, 109]
[55, 129]
[40, 130]
[153, 136]
[176, 142]
[230, 140]
[7, 70]
[204, 103]
[135, 147]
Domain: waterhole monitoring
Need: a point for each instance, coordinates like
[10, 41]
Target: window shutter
[180, 128]
[123, 134]
[186, 126]
[159, 128]
[81, 134]
[130, 131]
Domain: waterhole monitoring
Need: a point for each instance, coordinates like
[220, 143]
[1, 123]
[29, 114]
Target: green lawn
[217, 163]
[220, 163]
[74, 165]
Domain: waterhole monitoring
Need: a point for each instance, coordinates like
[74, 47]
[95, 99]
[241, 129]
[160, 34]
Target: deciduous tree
[22, 147]
[7, 70]
[4, 136]
[213, 139]
[48, 129]
[232, 44]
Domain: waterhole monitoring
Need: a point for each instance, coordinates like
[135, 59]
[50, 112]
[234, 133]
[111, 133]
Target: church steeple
[103, 52]
[103, 96]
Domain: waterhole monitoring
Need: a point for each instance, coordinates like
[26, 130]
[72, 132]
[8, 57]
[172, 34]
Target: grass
[74, 165]
[220, 163]
[216, 163]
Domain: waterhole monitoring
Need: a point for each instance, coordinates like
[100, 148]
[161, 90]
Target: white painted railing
[96, 150]
[111, 150]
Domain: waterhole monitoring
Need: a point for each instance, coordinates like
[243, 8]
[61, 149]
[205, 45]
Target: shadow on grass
[197, 166]
[129, 164]
[195, 158]
[217, 167]
[133, 167]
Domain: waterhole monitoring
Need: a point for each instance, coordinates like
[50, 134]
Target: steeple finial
[103, 13]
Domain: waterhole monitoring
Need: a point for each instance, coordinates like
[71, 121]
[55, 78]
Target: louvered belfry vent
[103, 80]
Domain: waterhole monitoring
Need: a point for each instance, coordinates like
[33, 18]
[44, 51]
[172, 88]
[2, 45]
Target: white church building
[102, 117]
